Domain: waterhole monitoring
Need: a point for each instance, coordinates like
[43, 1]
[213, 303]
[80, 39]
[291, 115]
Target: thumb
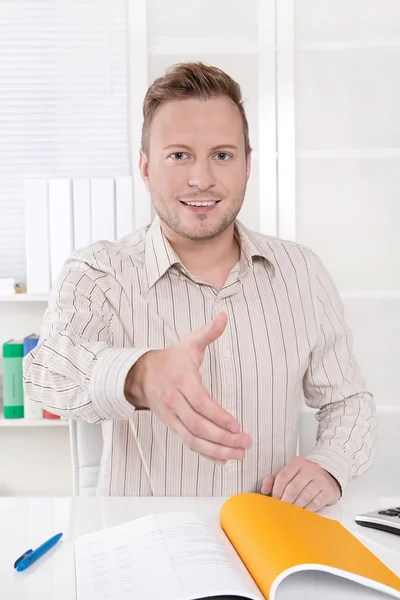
[209, 333]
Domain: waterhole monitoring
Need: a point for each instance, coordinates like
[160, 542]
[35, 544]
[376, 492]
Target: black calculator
[386, 519]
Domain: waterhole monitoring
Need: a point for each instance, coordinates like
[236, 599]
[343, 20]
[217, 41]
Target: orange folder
[274, 538]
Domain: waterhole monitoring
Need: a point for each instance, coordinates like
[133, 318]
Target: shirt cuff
[107, 382]
[333, 461]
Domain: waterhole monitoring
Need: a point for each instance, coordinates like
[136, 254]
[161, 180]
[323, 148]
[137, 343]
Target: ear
[144, 168]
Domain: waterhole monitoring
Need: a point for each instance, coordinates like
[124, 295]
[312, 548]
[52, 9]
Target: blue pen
[31, 556]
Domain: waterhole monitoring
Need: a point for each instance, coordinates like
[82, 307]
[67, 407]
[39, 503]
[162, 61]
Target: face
[196, 171]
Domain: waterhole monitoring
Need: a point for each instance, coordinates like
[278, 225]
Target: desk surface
[27, 522]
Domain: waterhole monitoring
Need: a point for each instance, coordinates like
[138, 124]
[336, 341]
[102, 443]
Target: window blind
[63, 102]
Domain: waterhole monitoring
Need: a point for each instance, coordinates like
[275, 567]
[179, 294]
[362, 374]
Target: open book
[261, 548]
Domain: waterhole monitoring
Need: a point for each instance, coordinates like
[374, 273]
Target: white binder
[103, 209]
[61, 225]
[37, 236]
[124, 205]
[82, 213]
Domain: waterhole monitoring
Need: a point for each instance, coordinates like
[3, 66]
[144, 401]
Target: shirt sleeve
[74, 371]
[334, 385]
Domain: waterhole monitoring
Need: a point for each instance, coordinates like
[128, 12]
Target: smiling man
[195, 341]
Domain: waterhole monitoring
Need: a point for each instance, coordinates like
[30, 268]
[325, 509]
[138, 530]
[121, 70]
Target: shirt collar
[160, 256]
[251, 246]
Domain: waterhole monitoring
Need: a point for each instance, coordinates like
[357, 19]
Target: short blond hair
[191, 80]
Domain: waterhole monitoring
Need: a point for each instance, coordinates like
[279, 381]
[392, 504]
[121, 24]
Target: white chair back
[86, 443]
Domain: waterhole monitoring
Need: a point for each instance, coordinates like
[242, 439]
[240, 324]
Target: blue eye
[178, 155]
[222, 156]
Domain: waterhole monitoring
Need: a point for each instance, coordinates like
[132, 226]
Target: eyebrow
[185, 147]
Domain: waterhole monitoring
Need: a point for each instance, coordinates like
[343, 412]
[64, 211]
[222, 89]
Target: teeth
[200, 203]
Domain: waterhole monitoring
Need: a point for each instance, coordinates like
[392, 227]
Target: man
[194, 340]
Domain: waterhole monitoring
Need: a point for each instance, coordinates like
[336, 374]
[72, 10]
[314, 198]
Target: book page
[314, 585]
[169, 556]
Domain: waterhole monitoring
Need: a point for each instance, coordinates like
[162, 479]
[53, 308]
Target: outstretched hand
[168, 382]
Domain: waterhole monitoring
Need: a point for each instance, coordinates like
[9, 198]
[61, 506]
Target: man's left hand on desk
[303, 483]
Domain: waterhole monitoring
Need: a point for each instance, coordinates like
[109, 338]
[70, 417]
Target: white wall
[347, 90]
[346, 142]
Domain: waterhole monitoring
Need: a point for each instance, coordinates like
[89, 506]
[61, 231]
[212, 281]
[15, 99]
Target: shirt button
[227, 355]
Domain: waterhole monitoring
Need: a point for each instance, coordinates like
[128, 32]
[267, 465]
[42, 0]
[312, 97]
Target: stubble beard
[174, 223]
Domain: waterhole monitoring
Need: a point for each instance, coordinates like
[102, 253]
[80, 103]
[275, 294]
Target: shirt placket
[224, 374]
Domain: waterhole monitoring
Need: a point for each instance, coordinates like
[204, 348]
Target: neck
[203, 255]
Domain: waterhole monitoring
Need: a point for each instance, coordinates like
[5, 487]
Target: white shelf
[24, 298]
[172, 46]
[350, 153]
[385, 294]
[33, 422]
[348, 45]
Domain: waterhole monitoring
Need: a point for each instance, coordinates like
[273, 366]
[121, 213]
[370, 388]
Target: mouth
[197, 206]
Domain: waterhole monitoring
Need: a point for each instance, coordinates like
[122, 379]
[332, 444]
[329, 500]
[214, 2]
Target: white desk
[27, 522]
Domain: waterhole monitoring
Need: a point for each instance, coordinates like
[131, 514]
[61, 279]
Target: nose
[201, 175]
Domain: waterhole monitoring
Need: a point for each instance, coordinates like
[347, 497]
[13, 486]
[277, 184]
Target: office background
[321, 83]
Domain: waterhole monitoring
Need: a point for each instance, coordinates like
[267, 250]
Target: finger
[296, 485]
[209, 333]
[208, 449]
[308, 493]
[196, 394]
[203, 428]
[318, 502]
[284, 477]
[268, 484]
[222, 463]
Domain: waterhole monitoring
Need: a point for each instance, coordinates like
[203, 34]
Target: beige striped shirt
[286, 343]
